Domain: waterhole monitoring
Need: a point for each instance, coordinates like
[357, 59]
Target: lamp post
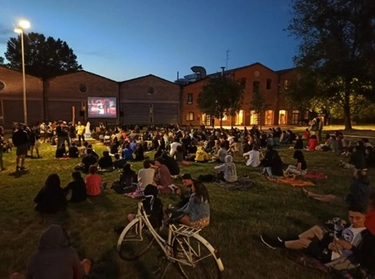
[22, 25]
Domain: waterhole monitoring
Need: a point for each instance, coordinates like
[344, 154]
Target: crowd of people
[176, 147]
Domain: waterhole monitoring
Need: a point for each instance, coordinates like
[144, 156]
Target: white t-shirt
[174, 146]
[352, 235]
[145, 177]
[254, 158]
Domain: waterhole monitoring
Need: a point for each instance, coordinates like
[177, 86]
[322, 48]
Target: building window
[256, 85]
[2, 86]
[295, 117]
[190, 116]
[268, 84]
[283, 117]
[82, 88]
[239, 118]
[268, 117]
[189, 98]
[254, 118]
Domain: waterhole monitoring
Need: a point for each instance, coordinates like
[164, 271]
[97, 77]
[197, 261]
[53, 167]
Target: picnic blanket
[315, 175]
[291, 181]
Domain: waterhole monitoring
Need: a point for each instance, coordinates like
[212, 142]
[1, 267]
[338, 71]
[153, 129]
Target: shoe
[18, 168]
[271, 242]
[23, 169]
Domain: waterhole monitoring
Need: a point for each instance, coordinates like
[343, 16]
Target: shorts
[201, 223]
[22, 150]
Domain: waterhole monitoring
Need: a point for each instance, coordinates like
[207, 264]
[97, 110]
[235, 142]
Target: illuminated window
[190, 116]
[283, 117]
[189, 98]
[254, 118]
[295, 117]
[268, 117]
[239, 118]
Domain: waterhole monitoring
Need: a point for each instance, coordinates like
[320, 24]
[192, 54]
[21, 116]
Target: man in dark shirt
[73, 151]
[62, 133]
[20, 139]
[88, 160]
[119, 163]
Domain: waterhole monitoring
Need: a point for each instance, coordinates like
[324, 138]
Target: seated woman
[312, 144]
[298, 144]
[197, 210]
[75, 191]
[359, 192]
[300, 168]
[94, 184]
[128, 176]
[227, 172]
[105, 162]
[272, 163]
[163, 177]
[51, 198]
[113, 147]
[179, 154]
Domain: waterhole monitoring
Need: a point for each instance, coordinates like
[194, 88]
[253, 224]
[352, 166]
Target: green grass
[237, 218]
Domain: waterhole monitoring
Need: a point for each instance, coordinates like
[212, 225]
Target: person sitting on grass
[325, 242]
[357, 159]
[127, 153]
[201, 155]
[171, 164]
[88, 161]
[75, 191]
[227, 172]
[55, 258]
[128, 176]
[219, 157]
[73, 151]
[93, 153]
[163, 177]
[51, 198]
[298, 144]
[146, 175]
[138, 153]
[83, 149]
[94, 184]
[60, 151]
[300, 168]
[253, 157]
[105, 162]
[359, 193]
[312, 143]
[118, 163]
[272, 163]
[196, 213]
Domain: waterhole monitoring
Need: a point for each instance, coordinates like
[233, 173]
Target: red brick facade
[270, 85]
[143, 100]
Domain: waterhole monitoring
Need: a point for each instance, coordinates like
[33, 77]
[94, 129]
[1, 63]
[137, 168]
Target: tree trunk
[347, 116]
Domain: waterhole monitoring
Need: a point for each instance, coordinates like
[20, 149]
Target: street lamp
[22, 25]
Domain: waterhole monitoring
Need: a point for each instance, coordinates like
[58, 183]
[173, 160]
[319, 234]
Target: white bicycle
[193, 255]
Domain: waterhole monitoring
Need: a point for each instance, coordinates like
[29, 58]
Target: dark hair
[200, 192]
[146, 164]
[269, 147]
[160, 160]
[76, 175]
[313, 137]
[117, 156]
[357, 208]
[93, 169]
[105, 153]
[52, 181]
[298, 155]
[126, 169]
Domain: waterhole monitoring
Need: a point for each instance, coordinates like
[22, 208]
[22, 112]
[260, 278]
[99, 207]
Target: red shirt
[312, 144]
[93, 184]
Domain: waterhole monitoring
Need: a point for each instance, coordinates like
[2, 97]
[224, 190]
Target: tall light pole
[22, 25]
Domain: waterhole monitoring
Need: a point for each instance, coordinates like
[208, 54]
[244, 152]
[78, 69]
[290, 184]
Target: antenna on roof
[226, 59]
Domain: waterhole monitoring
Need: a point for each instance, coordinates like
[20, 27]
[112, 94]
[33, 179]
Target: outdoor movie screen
[101, 107]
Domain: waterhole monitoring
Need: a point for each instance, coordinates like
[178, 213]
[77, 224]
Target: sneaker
[23, 169]
[271, 242]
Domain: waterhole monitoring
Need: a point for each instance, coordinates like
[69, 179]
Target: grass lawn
[237, 218]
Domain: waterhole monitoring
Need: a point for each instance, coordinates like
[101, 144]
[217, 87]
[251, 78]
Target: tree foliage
[1, 60]
[221, 96]
[44, 57]
[258, 104]
[337, 49]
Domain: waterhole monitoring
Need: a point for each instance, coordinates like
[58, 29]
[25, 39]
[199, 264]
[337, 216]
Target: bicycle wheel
[196, 258]
[134, 240]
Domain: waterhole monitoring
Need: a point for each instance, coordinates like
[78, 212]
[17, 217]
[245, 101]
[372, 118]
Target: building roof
[84, 71]
[146, 76]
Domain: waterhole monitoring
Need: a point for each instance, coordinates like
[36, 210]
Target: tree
[259, 105]
[337, 48]
[44, 57]
[221, 96]
[1, 60]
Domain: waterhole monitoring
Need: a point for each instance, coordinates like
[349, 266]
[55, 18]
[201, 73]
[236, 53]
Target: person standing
[20, 140]
[80, 132]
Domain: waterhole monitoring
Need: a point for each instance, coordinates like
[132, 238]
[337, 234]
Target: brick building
[143, 100]
[11, 97]
[272, 84]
